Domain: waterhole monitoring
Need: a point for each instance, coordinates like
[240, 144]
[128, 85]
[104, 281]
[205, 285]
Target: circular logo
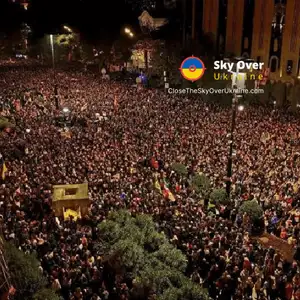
[192, 68]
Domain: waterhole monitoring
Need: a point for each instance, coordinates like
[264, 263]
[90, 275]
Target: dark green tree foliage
[166, 57]
[253, 209]
[180, 169]
[218, 196]
[45, 294]
[201, 184]
[24, 272]
[4, 123]
[132, 245]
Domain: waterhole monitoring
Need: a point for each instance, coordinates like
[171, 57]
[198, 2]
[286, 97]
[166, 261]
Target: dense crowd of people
[114, 133]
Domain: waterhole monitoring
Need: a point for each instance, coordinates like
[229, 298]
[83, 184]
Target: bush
[180, 169]
[201, 184]
[253, 210]
[24, 272]
[4, 123]
[218, 196]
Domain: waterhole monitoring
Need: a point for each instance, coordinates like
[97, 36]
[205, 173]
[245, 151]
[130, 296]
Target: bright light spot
[65, 110]
[131, 34]
[299, 77]
[274, 102]
[68, 28]
[241, 107]
[28, 130]
[127, 30]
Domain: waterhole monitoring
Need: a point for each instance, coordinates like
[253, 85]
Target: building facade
[265, 30]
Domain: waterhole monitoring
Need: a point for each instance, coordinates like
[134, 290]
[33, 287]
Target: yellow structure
[262, 26]
[211, 17]
[234, 26]
[69, 213]
[291, 40]
[71, 197]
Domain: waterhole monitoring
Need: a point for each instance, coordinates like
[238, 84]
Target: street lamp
[52, 51]
[241, 107]
[127, 30]
[54, 73]
[229, 163]
[66, 110]
[68, 29]
[131, 34]
[238, 81]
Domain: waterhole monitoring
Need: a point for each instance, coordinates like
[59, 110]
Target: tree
[121, 50]
[201, 184]
[25, 274]
[253, 210]
[294, 95]
[67, 44]
[140, 5]
[279, 93]
[180, 169]
[134, 247]
[45, 294]
[4, 123]
[218, 196]
[166, 57]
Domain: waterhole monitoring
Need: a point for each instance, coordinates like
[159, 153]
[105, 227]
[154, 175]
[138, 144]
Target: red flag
[154, 163]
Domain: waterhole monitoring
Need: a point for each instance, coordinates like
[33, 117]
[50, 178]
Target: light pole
[54, 72]
[238, 82]
[52, 52]
[229, 162]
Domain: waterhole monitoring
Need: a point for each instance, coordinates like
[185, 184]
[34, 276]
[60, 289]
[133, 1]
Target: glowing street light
[241, 107]
[65, 110]
[52, 50]
[127, 30]
[68, 29]
[131, 34]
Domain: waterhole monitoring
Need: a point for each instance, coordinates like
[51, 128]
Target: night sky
[93, 18]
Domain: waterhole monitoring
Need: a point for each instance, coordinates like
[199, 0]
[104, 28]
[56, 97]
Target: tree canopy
[26, 276]
[134, 246]
[253, 209]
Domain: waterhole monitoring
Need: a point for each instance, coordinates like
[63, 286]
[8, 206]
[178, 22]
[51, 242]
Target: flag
[154, 163]
[167, 193]
[211, 205]
[157, 186]
[3, 167]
